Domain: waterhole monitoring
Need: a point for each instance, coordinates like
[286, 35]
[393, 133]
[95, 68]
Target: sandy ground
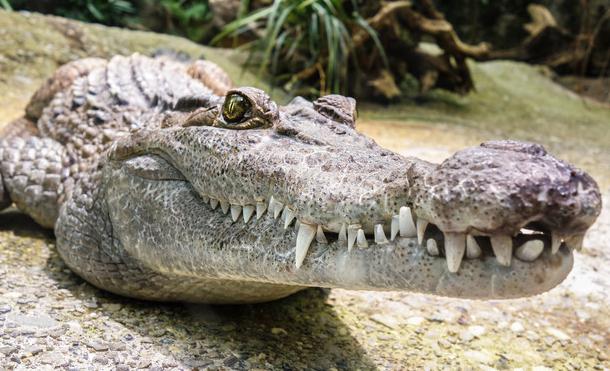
[50, 318]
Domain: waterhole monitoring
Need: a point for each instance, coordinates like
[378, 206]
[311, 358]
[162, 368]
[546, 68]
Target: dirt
[51, 318]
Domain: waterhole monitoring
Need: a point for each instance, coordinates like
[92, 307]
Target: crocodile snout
[512, 196]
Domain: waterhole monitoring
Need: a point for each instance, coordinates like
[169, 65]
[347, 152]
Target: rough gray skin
[154, 194]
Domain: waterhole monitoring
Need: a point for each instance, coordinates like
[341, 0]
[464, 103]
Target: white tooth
[473, 250]
[502, 246]
[306, 234]
[235, 212]
[362, 239]
[406, 225]
[296, 225]
[575, 241]
[213, 203]
[343, 233]
[205, 199]
[432, 247]
[261, 207]
[530, 250]
[248, 211]
[380, 234]
[288, 217]
[224, 205]
[421, 229]
[455, 245]
[352, 232]
[394, 227]
[275, 207]
[320, 237]
[555, 242]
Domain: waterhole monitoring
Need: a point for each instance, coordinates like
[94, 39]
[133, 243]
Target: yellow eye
[235, 108]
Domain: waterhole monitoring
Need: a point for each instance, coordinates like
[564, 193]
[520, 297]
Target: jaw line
[263, 251]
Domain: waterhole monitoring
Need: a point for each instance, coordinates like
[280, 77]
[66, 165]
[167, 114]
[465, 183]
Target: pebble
[278, 331]
[98, 346]
[33, 350]
[387, 321]
[478, 357]
[5, 309]
[40, 321]
[517, 327]
[415, 320]
[8, 350]
[557, 333]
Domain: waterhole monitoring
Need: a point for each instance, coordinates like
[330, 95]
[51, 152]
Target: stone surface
[56, 312]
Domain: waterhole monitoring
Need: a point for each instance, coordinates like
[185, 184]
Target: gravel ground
[50, 318]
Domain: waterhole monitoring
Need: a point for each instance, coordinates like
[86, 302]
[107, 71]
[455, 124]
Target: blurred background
[375, 49]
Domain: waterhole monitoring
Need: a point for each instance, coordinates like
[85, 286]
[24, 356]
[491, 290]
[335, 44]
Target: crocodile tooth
[421, 229]
[555, 242]
[205, 199]
[432, 247]
[235, 212]
[320, 237]
[406, 225]
[380, 234]
[224, 205]
[502, 246]
[343, 233]
[575, 241]
[275, 207]
[473, 250]
[288, 217]
[248, 211]
[455, 245]
[352, 232]
[261, 207]
[306, 234]
[394, 227]
[530, 250]
[361, 238]
[213, 203]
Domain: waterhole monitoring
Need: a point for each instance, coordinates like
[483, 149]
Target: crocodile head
[263, 200]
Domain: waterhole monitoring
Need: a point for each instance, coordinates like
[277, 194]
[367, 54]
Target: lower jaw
[403, 265]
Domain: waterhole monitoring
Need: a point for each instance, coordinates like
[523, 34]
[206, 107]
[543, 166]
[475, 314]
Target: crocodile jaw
[217, 245]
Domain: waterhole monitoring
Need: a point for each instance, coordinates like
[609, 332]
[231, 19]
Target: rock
[33, 350]
[40, 320]
[55, 359]
[7, 350]
[478, 357]
[278, 331]
[415, 320]
[98, 346]
[557, 333]
[517, 327]
[5, 309]
[387, 321]
[477, 330]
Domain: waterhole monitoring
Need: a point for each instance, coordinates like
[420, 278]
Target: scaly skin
[163, 185]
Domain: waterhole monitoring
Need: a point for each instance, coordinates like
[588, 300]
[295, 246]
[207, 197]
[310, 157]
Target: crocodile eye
[235, 108]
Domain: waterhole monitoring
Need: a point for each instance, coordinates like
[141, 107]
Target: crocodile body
[163, 182]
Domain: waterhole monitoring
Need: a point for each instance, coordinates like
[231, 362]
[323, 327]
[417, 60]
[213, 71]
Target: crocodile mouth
[533, 242]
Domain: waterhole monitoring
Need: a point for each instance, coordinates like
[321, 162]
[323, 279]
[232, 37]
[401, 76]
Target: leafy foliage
[110, 12]
[301, 36]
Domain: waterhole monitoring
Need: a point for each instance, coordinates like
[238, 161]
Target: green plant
[111, 12]
[6, 5]
[295, 40]
[186, 17]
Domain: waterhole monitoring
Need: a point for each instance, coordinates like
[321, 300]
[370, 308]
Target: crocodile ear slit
[337, 108]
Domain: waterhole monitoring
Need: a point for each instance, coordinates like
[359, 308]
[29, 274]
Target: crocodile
[163, 181]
